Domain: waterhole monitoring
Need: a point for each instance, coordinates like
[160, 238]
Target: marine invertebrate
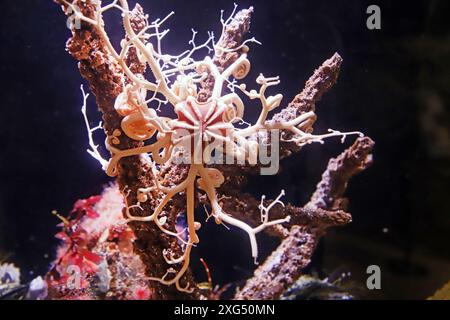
[75, 251]
[95, 259]
[157, 158]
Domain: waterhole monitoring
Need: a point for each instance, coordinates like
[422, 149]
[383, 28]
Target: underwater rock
[12, 289]
[9, 274]
[312, 288]
[38, 289]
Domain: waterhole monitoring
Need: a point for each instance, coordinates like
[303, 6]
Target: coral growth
[95, 259]
[167, 166]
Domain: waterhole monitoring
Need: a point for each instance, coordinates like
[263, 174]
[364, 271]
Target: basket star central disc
[200, 124]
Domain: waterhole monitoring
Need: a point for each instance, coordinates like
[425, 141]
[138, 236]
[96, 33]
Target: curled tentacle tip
[163, 220]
